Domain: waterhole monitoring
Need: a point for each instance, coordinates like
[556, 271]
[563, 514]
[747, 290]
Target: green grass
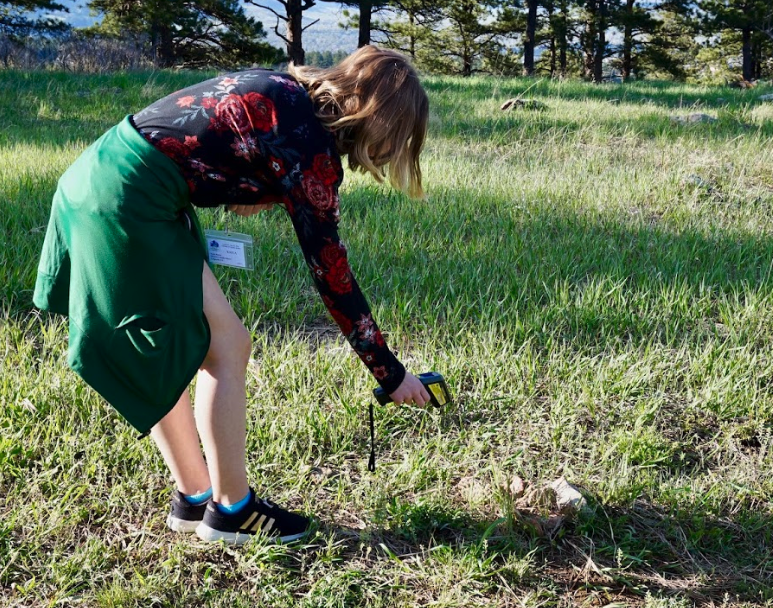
[594, 280]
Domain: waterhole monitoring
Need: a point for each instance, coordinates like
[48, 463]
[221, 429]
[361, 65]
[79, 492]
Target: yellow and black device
[439, 396]
[436, 387]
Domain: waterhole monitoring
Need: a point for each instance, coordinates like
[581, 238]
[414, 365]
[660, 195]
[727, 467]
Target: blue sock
[237, 506]
[197, 499]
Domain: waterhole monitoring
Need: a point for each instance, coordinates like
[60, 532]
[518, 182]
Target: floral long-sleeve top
[251, 138]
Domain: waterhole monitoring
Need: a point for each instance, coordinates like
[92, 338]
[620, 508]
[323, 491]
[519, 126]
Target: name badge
[230, 249]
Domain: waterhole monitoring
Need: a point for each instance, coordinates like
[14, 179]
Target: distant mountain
[325, 35]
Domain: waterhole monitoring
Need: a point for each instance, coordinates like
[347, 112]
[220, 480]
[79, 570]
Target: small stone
[693, 118]
[568, 498]
[516, 487]
[768, 97]
[473, 490]
[697, 180]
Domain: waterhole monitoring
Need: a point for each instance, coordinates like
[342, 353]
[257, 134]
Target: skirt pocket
[139, 352]
[148, 333]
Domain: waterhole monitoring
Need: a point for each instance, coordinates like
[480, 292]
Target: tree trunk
[531, 34]
[758, 59]
[412, 38]
[563, 36]
[552, 56]
[590, 39]
[366, 10]
[467, 63]
[748, 71]
[295, 32]
[598, 59]
[628, 40]
[550, 8]
[162, 45]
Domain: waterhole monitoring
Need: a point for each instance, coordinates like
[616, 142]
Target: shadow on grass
[608, 551]
[665, 94]
[502, 128]
[552, 274]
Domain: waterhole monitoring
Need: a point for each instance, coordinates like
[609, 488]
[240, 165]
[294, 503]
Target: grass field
[594, 280]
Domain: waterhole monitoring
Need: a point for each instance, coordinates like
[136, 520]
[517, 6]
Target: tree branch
[268, 8]
[762, 30]
[310, 24]
[276, 31]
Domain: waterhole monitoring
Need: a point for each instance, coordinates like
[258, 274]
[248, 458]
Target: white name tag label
[230, 249]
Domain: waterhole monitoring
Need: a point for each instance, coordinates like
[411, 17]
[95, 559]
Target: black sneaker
[184, 516]
[258, 517]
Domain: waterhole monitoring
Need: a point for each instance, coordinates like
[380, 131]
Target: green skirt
[123, 258]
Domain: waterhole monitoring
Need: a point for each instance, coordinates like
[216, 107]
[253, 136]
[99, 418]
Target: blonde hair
[378, 110]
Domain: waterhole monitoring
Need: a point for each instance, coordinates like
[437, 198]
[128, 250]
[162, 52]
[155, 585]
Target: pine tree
[193, 34]
[559, 33]
[21, 18]
[654, 35]
[744, 17]
[410, 27]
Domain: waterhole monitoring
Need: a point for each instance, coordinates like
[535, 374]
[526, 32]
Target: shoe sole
[181, 525]
[204, 532]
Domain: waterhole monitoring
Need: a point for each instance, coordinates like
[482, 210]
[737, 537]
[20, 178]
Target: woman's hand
[411, 391]
[248, 210]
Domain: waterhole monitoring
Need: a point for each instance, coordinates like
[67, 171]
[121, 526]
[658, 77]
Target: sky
[323, 36]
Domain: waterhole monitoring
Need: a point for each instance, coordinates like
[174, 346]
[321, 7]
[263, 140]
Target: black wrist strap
[372, 461]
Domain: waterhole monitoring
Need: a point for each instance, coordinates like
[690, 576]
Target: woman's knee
[231, 346]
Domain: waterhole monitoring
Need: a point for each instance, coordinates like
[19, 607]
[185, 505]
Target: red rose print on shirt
[344, 322]
[332, 252]
[321, 196]
[339, 275]
[323, 169]
[244, 113]
[173, 148]
[208, 102]
[230, 113]
[262, 111]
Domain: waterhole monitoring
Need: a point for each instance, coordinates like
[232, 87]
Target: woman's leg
[221, 412]
[177, 439]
